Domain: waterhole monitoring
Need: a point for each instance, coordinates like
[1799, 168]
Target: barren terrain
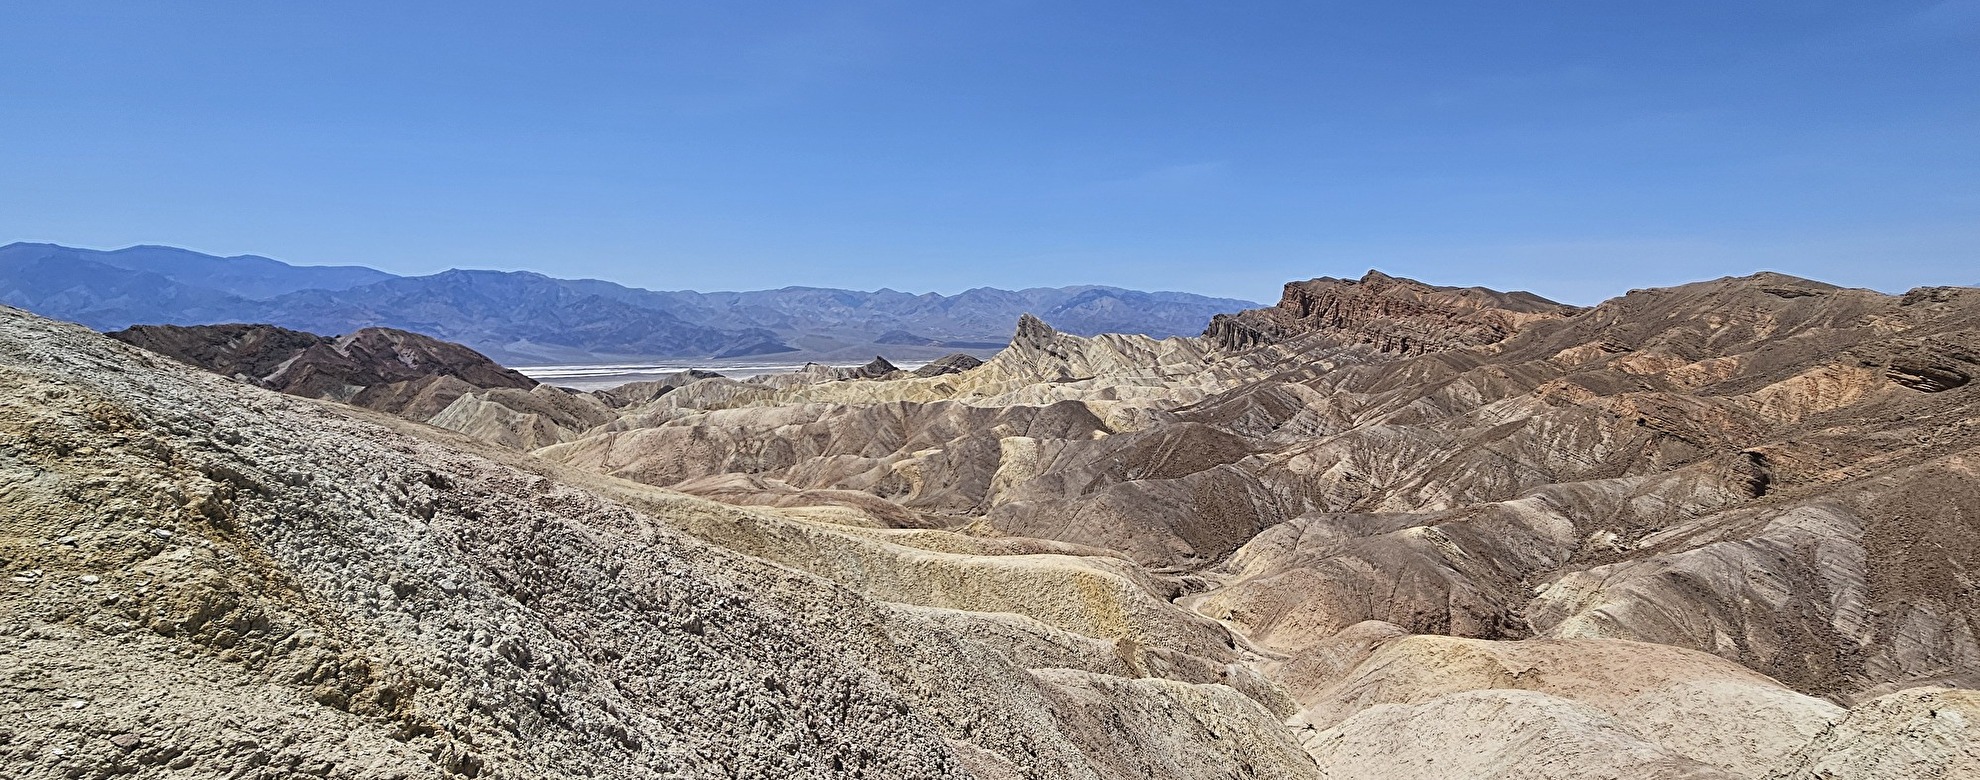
[1383, 529]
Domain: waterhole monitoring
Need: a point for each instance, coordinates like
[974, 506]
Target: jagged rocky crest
[1397, 316]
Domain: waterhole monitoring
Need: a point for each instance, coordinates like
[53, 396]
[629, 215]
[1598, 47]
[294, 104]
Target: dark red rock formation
[1396, 316]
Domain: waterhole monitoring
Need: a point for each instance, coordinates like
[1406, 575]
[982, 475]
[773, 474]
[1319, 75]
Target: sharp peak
[1372, 278]
[1030, 325]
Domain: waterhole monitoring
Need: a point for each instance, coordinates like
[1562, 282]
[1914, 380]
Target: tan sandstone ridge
[1384, 529]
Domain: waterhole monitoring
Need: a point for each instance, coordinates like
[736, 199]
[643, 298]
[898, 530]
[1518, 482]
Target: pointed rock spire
[1032, 331]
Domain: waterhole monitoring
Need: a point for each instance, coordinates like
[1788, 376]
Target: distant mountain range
[522, 318]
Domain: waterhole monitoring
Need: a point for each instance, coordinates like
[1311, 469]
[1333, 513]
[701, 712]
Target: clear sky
[1574, 148]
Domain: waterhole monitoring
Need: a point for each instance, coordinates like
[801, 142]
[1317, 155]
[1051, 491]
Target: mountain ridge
[584, 320]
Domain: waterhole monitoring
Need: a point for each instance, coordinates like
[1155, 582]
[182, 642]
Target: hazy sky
[1576, 149]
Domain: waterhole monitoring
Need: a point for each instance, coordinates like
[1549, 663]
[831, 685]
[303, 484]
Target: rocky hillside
[376, 368]
[1382, 530]
[203, 576]
[1399, 316]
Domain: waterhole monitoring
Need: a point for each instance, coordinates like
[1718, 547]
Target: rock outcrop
[1399, 316]
[877, 368]
[954, 363]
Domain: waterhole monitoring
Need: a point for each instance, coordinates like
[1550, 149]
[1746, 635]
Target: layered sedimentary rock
[1729, 466]
[1400, 316]
[1385, 529]
[1743, 472]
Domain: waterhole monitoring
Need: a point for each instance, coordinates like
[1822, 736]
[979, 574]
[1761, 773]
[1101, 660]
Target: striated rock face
[1398, 316]
[524, 420]
[1930, 365]
[1728, 466]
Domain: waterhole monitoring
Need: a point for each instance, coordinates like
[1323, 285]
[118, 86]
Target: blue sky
[1576, 149]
